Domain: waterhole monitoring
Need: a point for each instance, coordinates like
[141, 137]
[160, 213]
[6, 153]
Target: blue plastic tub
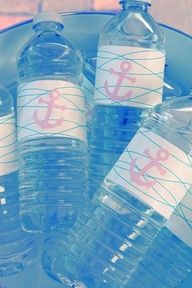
[83, 28]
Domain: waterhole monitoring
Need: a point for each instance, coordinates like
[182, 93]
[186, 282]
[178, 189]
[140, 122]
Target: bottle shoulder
[134, 28]
[49, 55]
[50, 45]
[172, 121]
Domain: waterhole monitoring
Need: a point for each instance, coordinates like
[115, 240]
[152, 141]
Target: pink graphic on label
[47, 123]
[162, 155]
[125, 68]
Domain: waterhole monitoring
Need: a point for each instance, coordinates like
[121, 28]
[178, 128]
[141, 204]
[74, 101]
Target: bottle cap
[48, 17]
[145, 1]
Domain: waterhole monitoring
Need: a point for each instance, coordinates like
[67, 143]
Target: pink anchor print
[162, 155]
[47, 123]
[125, 66]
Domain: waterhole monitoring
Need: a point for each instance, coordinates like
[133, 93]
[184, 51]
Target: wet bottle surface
[129, 79]
[51, 128]
[133, 203]
[17, 248]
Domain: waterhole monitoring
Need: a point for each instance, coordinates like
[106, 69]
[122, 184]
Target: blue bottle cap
[47, 17]
[145, 1]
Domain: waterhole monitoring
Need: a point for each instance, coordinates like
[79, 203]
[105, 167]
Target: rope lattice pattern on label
[58, 110]
[129, 76]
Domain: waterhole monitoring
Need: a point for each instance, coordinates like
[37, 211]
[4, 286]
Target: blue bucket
[83, 29]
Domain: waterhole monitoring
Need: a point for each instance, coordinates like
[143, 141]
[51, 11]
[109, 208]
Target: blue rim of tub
[88, 13]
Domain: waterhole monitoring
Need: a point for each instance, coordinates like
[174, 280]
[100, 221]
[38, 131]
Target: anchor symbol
[162, 155]
[45, 124]
[125, 68]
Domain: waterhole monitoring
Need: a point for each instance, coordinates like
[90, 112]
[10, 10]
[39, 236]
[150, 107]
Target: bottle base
[65, 282]
[86, 282]
[11, 265]
[38, 220]
[105, 245]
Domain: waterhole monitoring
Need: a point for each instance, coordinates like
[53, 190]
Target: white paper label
[51, 108]
[8, 145]
[155, 171]
[180, 222]
[129, 76]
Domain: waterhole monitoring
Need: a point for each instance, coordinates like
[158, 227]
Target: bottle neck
[48, 26]
[134, 4]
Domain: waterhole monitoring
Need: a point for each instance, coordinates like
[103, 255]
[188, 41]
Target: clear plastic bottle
[137, 197]
[17, 248]
[173, 245]
[51, 128]
[129, 79]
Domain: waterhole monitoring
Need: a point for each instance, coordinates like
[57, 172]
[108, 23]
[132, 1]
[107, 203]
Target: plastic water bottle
[17, 248]
[137, 197]
[173, 246]
[129, 79]
[171, 89]
[51, 128]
